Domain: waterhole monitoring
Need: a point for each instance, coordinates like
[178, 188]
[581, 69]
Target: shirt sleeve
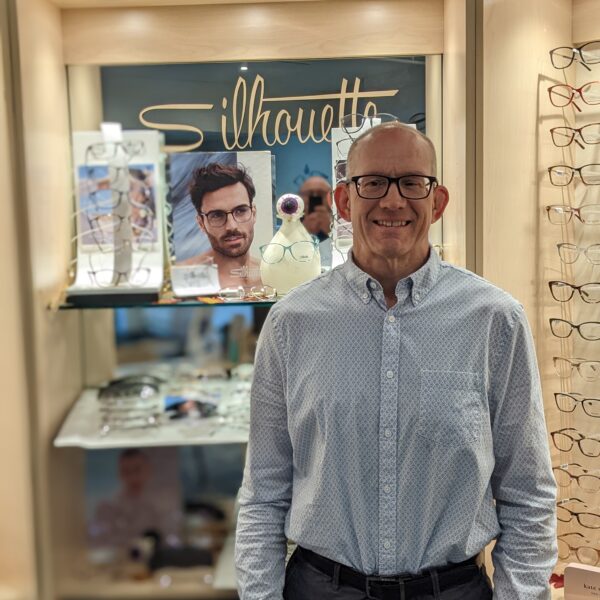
[522, 482]
[266, 490]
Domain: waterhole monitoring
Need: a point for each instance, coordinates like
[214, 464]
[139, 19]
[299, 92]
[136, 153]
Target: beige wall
[56, 335]
[348, 28]
[17, 543]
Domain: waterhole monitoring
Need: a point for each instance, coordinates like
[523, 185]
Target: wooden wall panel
[56, 339]
[270, 31]
[586, 21]
[17, 537]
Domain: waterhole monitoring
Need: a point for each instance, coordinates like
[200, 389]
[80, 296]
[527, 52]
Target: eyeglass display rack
[572, 186]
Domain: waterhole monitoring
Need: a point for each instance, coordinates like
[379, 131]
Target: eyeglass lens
[562, 175]
[586, 481]
[563, 136]
[587, 369]
[374, 187]
[584, 554]
[589, 330]
[569, 253]
[564, 440]
[240, 214]
[560, 214]
[585, 519]
[303, 251]
[568, 403]
[562, 291]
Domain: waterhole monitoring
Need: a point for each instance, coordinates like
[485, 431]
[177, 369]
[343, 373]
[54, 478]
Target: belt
[397, 587]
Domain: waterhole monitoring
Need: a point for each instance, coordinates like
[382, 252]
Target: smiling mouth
[392, 223]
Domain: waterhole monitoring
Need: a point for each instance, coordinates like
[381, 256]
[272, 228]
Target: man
[223, 198]
[118, 521]
[316, 193]
[396, 422]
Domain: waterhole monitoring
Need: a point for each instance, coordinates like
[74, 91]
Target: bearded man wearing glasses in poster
[223, 198]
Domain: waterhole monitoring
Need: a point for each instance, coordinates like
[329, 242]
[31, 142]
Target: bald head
[379, 130]
[316, 186]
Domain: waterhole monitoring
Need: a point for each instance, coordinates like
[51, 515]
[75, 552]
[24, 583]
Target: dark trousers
[305, 582]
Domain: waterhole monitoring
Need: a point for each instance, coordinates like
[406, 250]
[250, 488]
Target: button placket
[388, 447]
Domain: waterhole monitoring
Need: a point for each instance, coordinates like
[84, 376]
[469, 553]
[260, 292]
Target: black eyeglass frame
[573, 288]
[207, 215]
[433, 183]
[575, 50]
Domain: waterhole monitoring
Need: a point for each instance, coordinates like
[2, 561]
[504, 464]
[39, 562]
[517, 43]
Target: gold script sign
[247, 114]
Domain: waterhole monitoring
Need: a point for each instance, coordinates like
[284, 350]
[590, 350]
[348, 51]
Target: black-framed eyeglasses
[218, 218]
[564, 439]
[587, 480]
[563, 94]
[587, 369]
[585, 54]
[567, 402]
[590, 520]
[411, 187]
[590, 330]
[564, 136]
[562, 291]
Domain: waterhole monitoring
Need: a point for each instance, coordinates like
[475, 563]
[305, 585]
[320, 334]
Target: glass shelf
[166, 303]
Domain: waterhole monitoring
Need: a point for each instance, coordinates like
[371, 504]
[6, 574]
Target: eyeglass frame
[578, 288]
[595, 438]
[351, 130]
[580, 250]
[575, 130]
[288, 248]
[572, 98]
[575, 513]
[570, 210]
[433, 183]
[576, 50]
[573, 326]
[576, 548]
[574, 363]
[574, 170]
[586, 473]
[227, 213]
[576, 401]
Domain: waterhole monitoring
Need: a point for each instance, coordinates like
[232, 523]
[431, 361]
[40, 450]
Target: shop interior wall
[17, 545]
[65, 352]
[518, 243]
[56, 336]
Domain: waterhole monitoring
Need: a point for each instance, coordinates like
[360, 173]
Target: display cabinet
[492, 78]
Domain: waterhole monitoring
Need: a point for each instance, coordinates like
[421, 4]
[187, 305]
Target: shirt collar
[417, 285]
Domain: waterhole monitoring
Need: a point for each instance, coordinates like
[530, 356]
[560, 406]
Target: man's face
[134, 472]
[315, 186]
[233, 239]
[391, 227]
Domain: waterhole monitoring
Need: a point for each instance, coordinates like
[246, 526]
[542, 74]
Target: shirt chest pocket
[450, 407]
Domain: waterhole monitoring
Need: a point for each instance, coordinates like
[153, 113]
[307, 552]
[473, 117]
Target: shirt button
[372, 285]
[387, 544]
[387, 433]
[416, 295]
[387, 489]
[392, 319]
[365, 296]
[389, 374]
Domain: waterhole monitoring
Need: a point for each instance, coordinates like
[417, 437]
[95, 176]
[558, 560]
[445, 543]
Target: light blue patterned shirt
[393, 440]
